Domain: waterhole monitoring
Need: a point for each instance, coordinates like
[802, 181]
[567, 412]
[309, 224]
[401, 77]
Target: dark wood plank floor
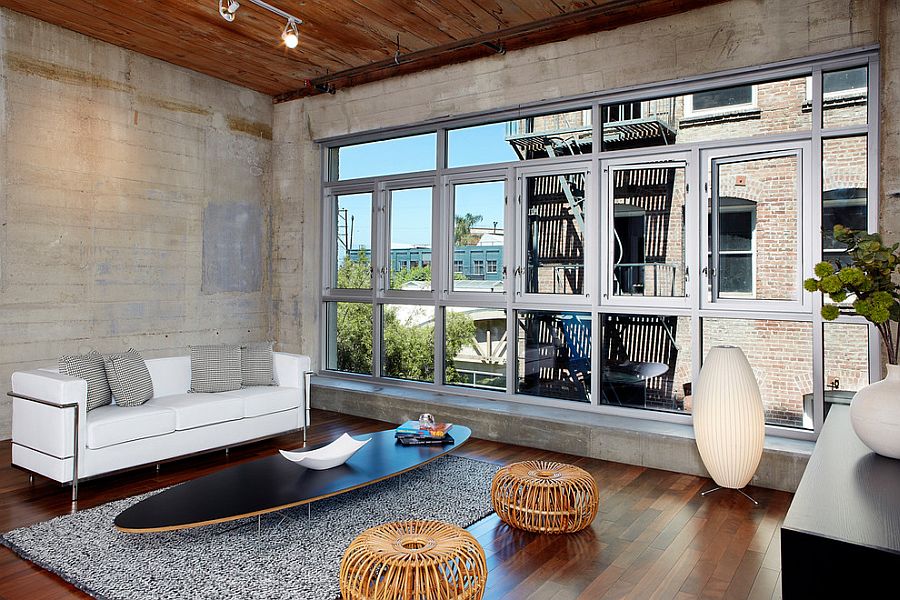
[654, 537]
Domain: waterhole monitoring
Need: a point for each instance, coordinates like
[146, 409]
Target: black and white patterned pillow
[215, 368]
[90, 368]
[128, 378]
[257, 364]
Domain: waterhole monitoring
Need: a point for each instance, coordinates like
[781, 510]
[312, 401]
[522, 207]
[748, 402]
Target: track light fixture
[227, 8]
[290, 35]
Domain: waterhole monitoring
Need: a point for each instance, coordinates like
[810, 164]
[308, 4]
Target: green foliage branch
[867, 281]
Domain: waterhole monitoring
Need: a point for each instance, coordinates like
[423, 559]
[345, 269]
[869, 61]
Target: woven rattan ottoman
[545, 497]
[412, 560]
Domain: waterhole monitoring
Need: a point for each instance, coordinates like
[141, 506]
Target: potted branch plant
[866, 287]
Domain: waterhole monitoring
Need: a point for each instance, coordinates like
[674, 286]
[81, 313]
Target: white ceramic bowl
[334, 454]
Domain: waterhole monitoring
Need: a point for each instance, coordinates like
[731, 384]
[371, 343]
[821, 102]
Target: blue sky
[411, 215]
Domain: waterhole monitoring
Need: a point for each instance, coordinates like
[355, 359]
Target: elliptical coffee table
[274, 483]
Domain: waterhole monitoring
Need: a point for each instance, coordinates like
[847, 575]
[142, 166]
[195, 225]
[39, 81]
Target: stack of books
[410, 434]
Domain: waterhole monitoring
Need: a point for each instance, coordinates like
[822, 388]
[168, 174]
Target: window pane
[723, 97]
[408, 342]
[846, 350]
[554, 355]
[755, 240]
[475, 347]
[349, 340]
[845, 97]
[478, 210]
[648, 231]
[844, 191]
[479, 145]
[555, 234]
[556, 134]
[780, 353]
[781, 107]
[386, 157]
[353, 239]
[646, 362]
[410, 241]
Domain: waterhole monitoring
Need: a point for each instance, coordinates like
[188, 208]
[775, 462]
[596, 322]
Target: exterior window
[780, 353]
[387, 157]
[646, 362]
[410, 236]
[478, 230]
[737, 224]
[554, 355]
[555, 234]
[349, 339]
[844, 191]
[408, 342]
[648, 231]
[475, 347]
[720, 100]
[727, 188]
[845, 97]
[542, 136]
[353, 241]
[754, 239]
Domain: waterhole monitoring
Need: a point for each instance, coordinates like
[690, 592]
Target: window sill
[630, 440]
[745, 114]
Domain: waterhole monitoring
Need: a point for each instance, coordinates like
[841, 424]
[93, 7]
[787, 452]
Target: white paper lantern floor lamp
[729, 421]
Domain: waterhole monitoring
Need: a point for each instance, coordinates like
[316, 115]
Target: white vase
[729, 421]
[875, 414]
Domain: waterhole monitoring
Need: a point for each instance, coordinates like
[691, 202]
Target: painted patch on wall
[232, 248]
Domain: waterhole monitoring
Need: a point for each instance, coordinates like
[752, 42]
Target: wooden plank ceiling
[342, 42]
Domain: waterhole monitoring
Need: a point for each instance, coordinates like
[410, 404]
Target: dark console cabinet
[841, 535]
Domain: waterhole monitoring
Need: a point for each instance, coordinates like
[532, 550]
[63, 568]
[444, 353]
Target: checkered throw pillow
[215, 368]
[90, 368]
[257, 364]
[128, 378]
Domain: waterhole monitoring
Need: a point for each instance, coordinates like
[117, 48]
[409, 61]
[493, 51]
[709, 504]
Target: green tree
[408, 346]
[462, 232]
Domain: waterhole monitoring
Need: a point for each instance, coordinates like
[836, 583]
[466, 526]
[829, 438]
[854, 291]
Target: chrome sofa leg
[31, 479]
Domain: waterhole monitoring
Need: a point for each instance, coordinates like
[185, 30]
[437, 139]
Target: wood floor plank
[654, 536]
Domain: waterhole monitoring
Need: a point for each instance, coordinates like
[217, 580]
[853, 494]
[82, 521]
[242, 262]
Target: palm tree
[462, 233]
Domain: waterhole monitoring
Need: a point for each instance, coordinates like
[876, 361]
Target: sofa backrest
[170, 375]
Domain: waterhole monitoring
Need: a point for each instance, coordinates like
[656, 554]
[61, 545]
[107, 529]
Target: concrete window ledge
[629, 440]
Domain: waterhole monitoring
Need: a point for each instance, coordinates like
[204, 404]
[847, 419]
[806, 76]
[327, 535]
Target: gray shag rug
[290, 556]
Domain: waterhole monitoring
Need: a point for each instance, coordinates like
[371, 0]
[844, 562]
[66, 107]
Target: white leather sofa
[53, 434]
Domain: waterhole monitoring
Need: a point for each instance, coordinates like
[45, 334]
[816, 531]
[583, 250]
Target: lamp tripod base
[741, 492]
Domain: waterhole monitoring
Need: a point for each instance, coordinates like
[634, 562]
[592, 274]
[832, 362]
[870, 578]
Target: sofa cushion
[110, 425]
[128, 378]
[89, 367]
[262, 400]
[215, 368]
[196, 410]
[257, 365]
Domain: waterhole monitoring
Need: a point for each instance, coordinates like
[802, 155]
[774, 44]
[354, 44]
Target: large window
[495, 264]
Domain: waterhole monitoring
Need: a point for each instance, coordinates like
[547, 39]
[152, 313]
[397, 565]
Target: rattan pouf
[413, 560]
[545, 497]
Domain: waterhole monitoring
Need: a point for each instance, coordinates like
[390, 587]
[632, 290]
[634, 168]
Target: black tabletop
[274, 483]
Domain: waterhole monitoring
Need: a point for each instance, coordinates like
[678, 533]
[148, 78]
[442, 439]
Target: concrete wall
[134, 202]
[736, 34]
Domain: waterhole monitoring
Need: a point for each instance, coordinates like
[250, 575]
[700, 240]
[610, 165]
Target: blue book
[409, 427]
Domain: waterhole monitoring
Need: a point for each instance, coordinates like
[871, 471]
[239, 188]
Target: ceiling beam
[604, 17]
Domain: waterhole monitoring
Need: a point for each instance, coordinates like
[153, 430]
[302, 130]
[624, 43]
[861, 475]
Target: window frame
[793, 68]
[589, 242]
[808, 226]
[608, 168]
